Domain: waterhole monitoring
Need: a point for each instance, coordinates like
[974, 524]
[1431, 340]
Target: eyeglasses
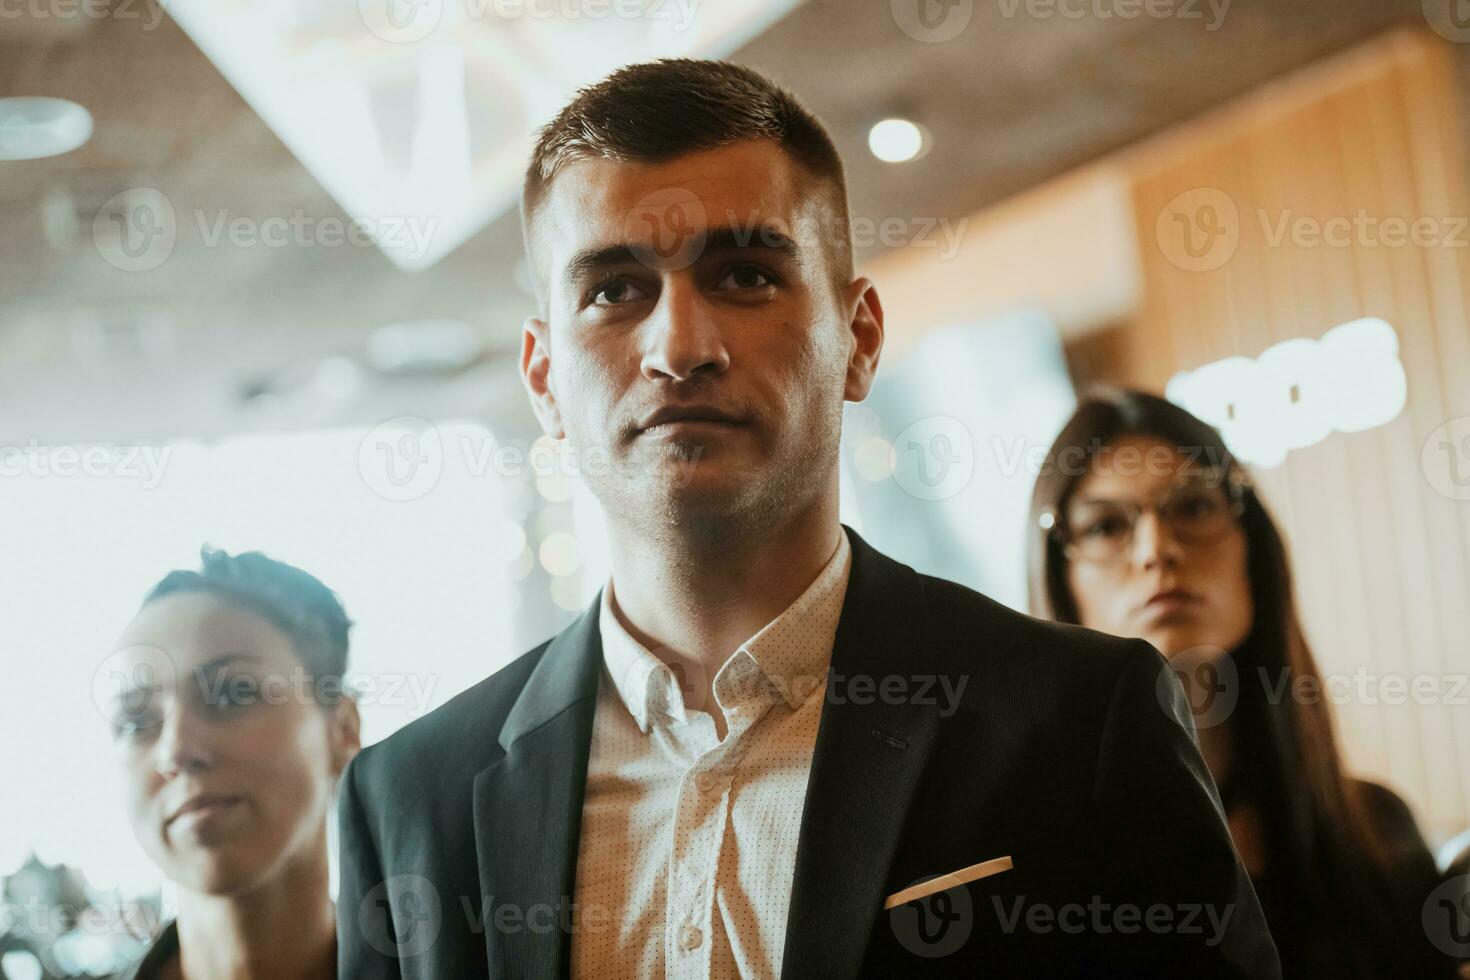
[1199, 509]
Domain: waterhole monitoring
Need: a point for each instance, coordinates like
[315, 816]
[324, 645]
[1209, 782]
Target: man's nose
[682, 338]
[183, 743]
[1154, 543]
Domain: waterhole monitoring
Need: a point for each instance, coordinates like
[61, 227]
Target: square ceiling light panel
[418, 116]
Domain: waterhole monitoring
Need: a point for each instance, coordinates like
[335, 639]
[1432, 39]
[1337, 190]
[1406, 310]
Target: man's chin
[709, 495]
[701, 490]
[675, 464]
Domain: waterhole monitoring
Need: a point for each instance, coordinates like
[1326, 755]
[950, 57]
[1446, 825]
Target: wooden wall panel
[1382, 558]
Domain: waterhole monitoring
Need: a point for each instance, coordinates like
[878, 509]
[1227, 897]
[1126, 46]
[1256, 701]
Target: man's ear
[865, 319]
[346, 736]
[536, 375]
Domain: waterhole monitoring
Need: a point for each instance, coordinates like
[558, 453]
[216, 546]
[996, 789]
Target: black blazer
[1065, 752]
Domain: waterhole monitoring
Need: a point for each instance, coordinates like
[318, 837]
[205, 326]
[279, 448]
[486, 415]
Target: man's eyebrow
[598, 257]
[725, 239]
[765, 236]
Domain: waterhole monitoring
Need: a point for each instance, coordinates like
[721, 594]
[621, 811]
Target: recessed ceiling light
[896, 140]
[32, 127]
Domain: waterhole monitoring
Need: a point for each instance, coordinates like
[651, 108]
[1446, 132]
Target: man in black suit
[767, 748]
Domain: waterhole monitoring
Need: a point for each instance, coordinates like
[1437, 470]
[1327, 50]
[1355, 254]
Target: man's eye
[616, 292]
[745, 277]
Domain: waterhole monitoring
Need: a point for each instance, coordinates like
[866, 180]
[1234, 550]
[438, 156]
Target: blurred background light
[20, 965]
[424, 347]
[896, 140]
[560, 555]
[1296, 393]
[430, 118]
[32, 127]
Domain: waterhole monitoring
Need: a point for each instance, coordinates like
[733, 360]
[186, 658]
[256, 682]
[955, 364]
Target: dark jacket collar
[566, 676]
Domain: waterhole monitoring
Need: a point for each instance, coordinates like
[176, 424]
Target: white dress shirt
[688, 842]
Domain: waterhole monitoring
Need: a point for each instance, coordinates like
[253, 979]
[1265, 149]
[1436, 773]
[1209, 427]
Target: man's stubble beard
[668, 509]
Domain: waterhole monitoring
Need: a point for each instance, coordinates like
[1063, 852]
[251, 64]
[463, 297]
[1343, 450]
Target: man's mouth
[673, 419]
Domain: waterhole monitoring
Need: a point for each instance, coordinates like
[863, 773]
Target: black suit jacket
[1064, 751]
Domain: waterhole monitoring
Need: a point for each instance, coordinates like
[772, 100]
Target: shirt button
[690, 937]
[705, 782]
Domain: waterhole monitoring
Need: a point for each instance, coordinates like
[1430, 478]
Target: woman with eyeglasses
[1145, 526]
[232, 728]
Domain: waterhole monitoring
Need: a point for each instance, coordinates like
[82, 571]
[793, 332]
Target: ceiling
[91, 351]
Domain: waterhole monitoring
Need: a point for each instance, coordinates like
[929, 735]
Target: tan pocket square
[945, 882]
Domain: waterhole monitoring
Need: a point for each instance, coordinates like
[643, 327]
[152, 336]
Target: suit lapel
[528, 808]
[866, 765]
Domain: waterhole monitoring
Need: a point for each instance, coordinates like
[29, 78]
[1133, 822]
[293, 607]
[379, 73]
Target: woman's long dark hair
[1319, 837]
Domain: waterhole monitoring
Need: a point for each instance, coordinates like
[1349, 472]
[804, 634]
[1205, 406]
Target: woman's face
[1175, 591]
[229, 759]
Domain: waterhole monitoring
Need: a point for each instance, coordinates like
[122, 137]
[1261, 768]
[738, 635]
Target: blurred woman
[1144, 525]
[232, 728]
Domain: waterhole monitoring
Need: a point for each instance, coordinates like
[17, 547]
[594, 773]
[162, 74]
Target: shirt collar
[643, 683]
[793, 650]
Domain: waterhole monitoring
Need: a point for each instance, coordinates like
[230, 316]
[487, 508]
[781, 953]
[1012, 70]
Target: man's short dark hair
[295, 601]
[653, 112]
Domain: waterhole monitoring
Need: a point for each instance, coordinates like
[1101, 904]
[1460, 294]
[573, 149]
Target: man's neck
[699, 599]
[285, 929]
